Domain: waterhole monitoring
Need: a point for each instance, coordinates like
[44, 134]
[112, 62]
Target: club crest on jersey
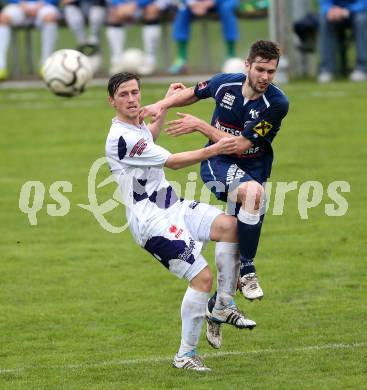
[254, 114]
[263, 128]
[202, 85]
[138, 148]
[227, 101]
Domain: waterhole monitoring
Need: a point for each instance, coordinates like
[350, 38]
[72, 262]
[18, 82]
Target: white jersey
[172, 230]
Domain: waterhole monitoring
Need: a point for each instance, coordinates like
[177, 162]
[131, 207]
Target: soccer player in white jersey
[173, 230]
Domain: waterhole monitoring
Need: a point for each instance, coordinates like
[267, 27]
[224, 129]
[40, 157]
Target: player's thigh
[47, 13]
[125, 11]
[15, 14]
[151, 11]
[199, 218]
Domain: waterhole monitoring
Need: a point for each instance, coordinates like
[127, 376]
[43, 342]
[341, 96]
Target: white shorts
[176, 237]
[19, 18]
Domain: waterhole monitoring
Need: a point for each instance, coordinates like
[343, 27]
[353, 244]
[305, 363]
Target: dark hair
[267, 50]
[117, 79]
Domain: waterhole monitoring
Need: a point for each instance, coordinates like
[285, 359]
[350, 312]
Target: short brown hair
[116, 80]
[267, 50]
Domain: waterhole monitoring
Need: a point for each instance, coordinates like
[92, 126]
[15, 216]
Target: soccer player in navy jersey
[250, 108]
[173, 230]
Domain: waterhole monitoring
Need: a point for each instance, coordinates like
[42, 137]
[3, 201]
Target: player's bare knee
[228, 229]
[151, 12]
[50, 18]
[250, 195]
[203, 281]
[224, 228]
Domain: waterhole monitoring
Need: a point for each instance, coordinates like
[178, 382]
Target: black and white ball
[67, 72]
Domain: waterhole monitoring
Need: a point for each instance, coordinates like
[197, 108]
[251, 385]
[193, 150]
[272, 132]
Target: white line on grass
[206, 355]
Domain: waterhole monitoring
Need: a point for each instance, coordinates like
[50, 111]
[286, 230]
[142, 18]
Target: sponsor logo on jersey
[249, 153]
[227, 101]
[263, 128]
[254, 114]
[138, 148]
[227, 129]
[234, 173]
[202, 85]
[176, 231]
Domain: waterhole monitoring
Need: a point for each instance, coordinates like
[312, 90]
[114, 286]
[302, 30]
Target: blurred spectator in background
[335, 17]
[43, 14]
[76, 13]
[124, 11]
[188, 9]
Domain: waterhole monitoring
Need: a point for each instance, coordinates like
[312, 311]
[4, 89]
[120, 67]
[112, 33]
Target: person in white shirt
[173, 230]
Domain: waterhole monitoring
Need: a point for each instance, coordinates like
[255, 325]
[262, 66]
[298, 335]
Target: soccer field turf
[84, 308]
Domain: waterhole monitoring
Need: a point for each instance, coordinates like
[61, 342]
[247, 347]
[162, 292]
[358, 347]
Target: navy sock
[247, 266]
[249, 235]
[211, 302]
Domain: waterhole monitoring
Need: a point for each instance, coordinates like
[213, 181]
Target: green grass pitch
[82, 308]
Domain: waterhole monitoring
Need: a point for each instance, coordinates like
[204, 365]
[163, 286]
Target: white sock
[151, 37]
[49, 36]
[248, 218]
[192, 314]
[227, 259]
[75, 20]
[97, 16]
[116, 40]
[4, 44]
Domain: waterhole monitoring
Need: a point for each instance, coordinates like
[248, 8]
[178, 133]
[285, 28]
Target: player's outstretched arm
[185, 159]
[156, 126]
[189, 123]
[180, 99]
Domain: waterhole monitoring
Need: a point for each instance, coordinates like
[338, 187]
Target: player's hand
[337, 14]
[174, 88]
[200, 8]
[185, 125]
[31, 9]
[227, 145]
[154, 111]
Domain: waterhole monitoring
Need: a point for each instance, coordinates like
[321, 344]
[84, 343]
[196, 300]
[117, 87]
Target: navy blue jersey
[258, 120]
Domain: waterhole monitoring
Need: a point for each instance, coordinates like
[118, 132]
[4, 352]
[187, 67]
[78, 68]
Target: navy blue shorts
[222, 177]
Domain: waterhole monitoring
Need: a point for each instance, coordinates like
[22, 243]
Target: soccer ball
[234, 65]
[67, 72]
